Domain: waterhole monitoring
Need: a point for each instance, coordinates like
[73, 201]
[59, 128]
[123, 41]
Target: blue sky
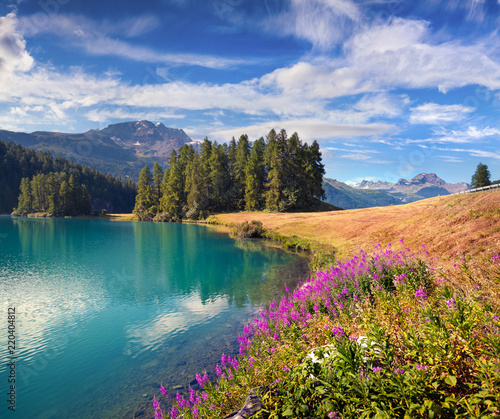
[389, 89]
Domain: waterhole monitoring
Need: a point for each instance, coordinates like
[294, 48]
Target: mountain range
[371, 194]
[120, 149]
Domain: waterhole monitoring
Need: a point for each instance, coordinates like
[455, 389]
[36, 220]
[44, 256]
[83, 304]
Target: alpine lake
[107, 311]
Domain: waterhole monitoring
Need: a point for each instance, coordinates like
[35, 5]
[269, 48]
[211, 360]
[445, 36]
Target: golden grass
[122, 217]
[447, 225]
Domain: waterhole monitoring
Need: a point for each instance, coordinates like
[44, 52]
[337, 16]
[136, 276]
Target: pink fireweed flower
[401, 277]
[174, 413]
[377, 369]
[158, 413]
[192, 396]
[155, 403]
[218, 371]
[399, 370]
[163, 389]
[195, 412]
[286, 368]
[420, 293]
[204, 396]
[451, 304]
[338, 331]
[333, 415]
[422, 367]
[201, 380]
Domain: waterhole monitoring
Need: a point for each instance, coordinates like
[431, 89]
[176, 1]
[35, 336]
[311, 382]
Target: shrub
[246, 230]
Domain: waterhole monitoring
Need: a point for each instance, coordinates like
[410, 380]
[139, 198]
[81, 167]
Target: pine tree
[254, 177]
[157, 179]
[239, 175]
[25, 205]
[219, 178]
[293, 193]
[65, 199]
[197, 200]
[145, 195]
[273, 166]
[481, 177]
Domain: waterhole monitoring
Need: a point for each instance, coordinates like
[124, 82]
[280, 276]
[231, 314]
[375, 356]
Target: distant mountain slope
[344, 196]
[424, 185]
[119, 149]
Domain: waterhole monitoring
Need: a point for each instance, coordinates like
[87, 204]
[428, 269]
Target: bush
[246, 230]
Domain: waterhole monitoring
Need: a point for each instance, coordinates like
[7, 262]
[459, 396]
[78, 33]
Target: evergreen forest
[279, 173]
[50, 180]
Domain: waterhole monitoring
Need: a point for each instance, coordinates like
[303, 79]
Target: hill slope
[446, 225]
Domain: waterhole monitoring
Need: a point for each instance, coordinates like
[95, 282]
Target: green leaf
[288, 412]
[451, 380]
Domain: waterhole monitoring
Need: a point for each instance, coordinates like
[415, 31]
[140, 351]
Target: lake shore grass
[408, 323]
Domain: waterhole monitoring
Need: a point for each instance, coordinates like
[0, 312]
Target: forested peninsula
[279, 173]
[35, 181]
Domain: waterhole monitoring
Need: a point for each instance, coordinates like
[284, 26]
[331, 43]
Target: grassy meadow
[403, 324]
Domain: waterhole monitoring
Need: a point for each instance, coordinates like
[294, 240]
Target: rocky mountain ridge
[424, 181]
[120, 149]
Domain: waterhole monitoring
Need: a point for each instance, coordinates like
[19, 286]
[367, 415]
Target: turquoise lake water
[106, 311]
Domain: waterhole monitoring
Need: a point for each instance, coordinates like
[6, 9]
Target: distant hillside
[119, 149]
[344, 196]
[424, 185]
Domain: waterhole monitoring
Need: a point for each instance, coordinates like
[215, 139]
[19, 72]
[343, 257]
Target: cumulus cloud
[395, 54]
[433, 113]
[13, 55]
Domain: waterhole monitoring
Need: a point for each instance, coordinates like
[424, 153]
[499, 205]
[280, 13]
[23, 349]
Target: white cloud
[470, 135]
[473, 152]
[382, 104]
[324, 23]
[308, 129]
[433, 113]
[13, 54]
[105, 114]
[395, 54]
[452, 159]
[356, 156]
[96, 38]
[400, 53]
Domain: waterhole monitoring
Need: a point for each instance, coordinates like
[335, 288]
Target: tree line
[279, 173]
[16, 162]
[54, 193]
